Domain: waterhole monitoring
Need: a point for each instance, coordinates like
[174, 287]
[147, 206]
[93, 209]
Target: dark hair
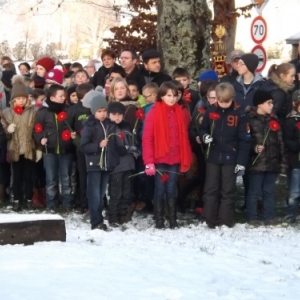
[69, 74]
[206, 85]
[5, 58]
[163, 89]
[67, 66]
[26, 65]
[178, 85]
[151, 86]
[180, 72]
[133, 53]
[81, 71]
[280, 69]
[117, 69]
[9, 66]
[76, 65]
[82, 89]
[108, 52]
[132, 82]
[38, 92]
[53, 89]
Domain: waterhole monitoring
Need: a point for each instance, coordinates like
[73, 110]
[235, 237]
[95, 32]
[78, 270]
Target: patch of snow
[16, 218]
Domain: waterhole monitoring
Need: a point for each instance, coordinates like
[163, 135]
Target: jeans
[58, 169]
[261, 184]
[96, 188]
[167, 188]
[294, 194]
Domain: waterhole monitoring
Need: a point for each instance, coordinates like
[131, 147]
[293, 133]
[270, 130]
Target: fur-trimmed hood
[293, 114]
[281, 84]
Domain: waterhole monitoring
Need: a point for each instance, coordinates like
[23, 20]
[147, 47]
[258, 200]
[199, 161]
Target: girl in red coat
[166, 149]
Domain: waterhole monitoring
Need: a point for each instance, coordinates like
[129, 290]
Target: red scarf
[161, 135]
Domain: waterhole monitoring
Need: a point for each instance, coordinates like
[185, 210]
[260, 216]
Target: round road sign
[262, 57]
[258, 30]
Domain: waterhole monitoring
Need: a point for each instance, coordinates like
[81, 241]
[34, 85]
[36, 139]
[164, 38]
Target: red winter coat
[148, 137]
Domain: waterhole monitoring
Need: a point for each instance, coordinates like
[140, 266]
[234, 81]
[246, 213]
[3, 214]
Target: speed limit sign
[258, 30]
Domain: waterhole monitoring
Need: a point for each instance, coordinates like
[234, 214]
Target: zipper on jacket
[105, 152]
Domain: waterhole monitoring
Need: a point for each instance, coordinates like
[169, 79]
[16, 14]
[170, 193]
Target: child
[266, 157]
[78, 115]
[72, 95]
[39, 95]
[101, 157]
[134, 93]
[55, 138]
[292, 143]
[43, 65]
[68, 79]
[166, 148]
[17, 122]
[120, 187]
[182, 75]
[224, 129]
[81, 76]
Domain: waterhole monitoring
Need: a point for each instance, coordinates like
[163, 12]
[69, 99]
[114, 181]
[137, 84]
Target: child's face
[40, 71]
[116, 117]
[39, 100]
[59, 97]
[224, 104]
[120, 91]
[170, 99]
[297, 105]
[81, 78]
[20, 101]
[73, 98]
[23, 70]
[211, 97]
[266, 107]
[185, 81]
[101, 114]
[289, 77]
[31, 84]
[134, 93]
[113, 76]
[149, 96]
[68, 81]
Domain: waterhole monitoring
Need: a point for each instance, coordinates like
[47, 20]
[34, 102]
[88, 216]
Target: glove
[11, 128]
[38, 155]
[207, 139]
[239, 168]
[150, 170]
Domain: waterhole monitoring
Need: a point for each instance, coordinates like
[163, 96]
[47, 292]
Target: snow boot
[158, 213]
[171, 204]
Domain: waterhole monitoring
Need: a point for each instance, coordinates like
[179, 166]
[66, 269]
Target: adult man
[91, 67]
[234, 59]
[296, 63]
[151, 70]
[128, 60]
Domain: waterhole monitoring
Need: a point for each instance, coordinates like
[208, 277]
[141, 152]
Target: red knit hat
[54, 76]
[46, 62]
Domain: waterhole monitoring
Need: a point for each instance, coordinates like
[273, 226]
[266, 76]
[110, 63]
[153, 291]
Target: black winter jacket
[272, 158]
[291, 136]
[231, 77]
[231, 141]
[93, 133]
[99, 76]
[296, 63]
[52, 130]
[78, 115]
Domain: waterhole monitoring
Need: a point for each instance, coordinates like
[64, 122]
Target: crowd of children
[121, 135]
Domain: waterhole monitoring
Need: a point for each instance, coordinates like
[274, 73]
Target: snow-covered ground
[138, 262]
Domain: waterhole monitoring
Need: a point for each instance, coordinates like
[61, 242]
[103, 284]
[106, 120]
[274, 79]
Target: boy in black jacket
[224, 129]
[54, 137]
[292, 143]
[120, 185]
[99, 144]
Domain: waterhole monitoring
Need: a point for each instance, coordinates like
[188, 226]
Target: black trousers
[23, 179]
[219, 189]
[82, 174]
[120, 192]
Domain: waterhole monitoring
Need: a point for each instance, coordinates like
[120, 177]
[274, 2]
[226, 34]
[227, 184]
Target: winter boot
[171, 204]
[2, 194]
[36, 199]
[158, 213]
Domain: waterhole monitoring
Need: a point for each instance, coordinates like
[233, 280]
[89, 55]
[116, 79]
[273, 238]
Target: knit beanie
[86, 101]
[54, 76]
[116, 107]
[251, 61]
[260, 97]
[46, 62]
[97, 102]
[208, 75]
[18, 87]
[71, 90]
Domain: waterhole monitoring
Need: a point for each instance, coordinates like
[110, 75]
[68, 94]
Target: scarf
[55, 107]
[161, 135]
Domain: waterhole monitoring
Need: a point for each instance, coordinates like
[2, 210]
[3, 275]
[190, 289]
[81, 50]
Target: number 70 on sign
[258, 30]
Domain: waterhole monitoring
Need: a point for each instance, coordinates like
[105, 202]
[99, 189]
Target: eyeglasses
[240, 64]
[145, 97]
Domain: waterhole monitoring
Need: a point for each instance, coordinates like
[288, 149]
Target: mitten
[11, 128]
[207, 139]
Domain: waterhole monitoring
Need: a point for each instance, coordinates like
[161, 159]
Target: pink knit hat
[46, 62]
[54, 76]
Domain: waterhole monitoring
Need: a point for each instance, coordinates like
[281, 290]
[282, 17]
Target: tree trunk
[184, 35]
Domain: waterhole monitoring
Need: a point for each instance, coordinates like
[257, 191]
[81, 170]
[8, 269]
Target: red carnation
[186, 96]
[199, 210]
[298, 125]
[1, 95]
[214, 116]
[62, 116]
[201, 110]
[121, 135]
[18, 110]
[66, 135]
[140, 114]
[38, 128]
[164, 178]
[274, 125]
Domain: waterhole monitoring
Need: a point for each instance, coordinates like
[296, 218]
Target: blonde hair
[225, 92]
[283, 68]
[111, 96]
[27, 104]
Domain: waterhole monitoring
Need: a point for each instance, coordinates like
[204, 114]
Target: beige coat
[21, 141]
